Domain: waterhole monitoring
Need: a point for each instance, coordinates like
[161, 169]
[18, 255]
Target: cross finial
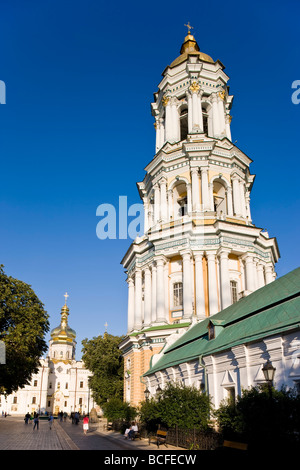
[106, 325]
[66, 297]
[189, 27]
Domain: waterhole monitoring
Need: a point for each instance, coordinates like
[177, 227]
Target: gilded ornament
[195, 87]
[165, 100]
[222, 95]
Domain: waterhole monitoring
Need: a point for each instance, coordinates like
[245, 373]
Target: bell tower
[200, 251]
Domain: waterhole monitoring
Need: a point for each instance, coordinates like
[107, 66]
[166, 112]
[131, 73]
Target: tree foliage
[23, 325]
[262, 417]
[103, 358]
[177, 405]
[116, 409]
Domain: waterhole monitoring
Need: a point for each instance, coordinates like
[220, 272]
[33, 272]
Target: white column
[187, 286]
[160, 131]
[160, 301]
[269, 273]
[221, 110]
[250, 273]
[248, 212]
[168, 119]
[212, 283]
[146, 214]
[166, 288]
[130, 317]
[227, 125]
[170, 205]
[200, 300]
[236, 196]
[163, 199]
[189, 198]
[243, 200]
[260, 275]
[175, 120]
[190, 112]
[211, 196]
[229, 202]
[195, 189]
[156, 203]
[147, 297]
[138, 299]
[215, 115]
[195, 111]
[204, 189]
[225, 281]
[153, 294]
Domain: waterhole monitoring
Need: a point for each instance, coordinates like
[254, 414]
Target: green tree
[103, 358]
[177, 404]
[23, 325]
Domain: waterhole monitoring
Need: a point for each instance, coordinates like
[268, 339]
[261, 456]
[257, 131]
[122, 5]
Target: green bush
[261, 417]
[177, 405]
[115, 409]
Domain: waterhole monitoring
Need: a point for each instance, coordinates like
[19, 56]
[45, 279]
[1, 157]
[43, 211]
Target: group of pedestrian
[75, 420]
[131, 431]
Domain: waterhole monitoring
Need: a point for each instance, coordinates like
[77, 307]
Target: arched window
[219, 196]
[183, 124]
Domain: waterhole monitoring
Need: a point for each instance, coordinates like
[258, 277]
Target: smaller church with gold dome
[61, 384]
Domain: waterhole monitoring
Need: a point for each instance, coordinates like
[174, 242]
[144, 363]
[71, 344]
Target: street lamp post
[269, 372]
[147, 394]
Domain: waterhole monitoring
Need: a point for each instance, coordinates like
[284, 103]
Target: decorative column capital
[198, 255]
[194, 87]
[195, 170]
[165, 100]
[130, 281]
[224, 252]
[221, 95]
[214, 98]
[162, 181]
[211, 255]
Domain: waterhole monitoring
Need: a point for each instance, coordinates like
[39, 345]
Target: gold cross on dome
[189, 27]
[66, 297]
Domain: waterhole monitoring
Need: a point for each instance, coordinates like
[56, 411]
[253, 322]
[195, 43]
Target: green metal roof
[267, 311]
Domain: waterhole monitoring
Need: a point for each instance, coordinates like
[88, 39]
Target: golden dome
[63, 332]
[190, 47]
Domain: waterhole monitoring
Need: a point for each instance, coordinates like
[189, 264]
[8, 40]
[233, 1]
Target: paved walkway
[16, 435]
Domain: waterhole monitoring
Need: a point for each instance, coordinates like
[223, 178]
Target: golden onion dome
[63, 332]
[190, 47]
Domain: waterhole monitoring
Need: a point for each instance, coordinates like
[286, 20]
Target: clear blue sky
[77, 132]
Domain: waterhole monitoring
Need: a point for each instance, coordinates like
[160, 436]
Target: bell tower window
[183, 124]
[182, 206]
[205, 121]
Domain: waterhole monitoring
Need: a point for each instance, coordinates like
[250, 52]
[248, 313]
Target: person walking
[51, 421]
[36, 422]
[85, 424]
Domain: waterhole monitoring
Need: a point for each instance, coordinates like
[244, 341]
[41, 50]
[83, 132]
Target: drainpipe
[205, 373]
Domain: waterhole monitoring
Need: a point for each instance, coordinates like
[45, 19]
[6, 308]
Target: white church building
[61, 383]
